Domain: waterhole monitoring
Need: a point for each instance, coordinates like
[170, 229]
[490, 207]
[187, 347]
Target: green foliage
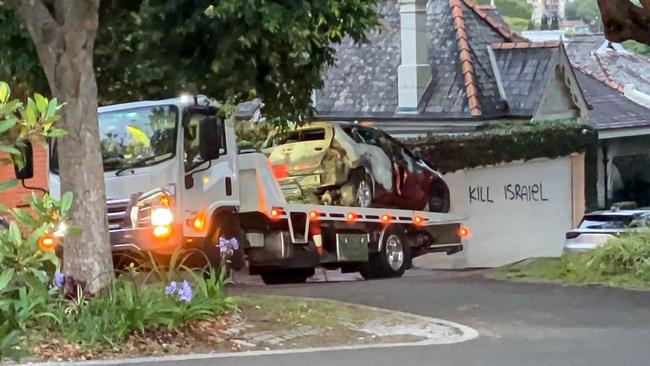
[517, 24]
[504, 142]
[128, 307]
[230, 49]
[511, 141]
[623, 261]
[251, 135]
[26, 272]
[587, 10]
[512, 8]
[19, 122]
[636, 47]
[25, 269]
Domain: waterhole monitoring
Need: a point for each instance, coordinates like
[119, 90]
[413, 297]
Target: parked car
[353, 165]
[598, 227]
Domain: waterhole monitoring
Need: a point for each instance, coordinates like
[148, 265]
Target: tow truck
[182, 183]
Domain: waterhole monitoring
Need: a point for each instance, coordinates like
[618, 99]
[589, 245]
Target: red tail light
[572, 235]
[280, 171]
[463, 232]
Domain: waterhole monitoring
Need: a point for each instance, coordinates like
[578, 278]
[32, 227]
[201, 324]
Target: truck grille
[116, 210]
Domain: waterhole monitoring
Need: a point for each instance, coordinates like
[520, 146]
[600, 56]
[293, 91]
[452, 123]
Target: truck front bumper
[143, 240]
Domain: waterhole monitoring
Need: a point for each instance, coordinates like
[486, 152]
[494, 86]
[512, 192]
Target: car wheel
[438, 199]
[358, 192]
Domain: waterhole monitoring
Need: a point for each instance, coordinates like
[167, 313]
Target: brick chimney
[414, 73]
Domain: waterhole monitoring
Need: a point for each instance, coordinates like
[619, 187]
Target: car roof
[618, 213]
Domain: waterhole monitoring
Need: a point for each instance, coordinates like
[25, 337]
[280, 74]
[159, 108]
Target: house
[15, 197]
[450, 66]
[445, 66]
[616, 85]
[574, 26]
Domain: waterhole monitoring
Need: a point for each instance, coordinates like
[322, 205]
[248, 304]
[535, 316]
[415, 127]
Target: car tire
[392, 260]
[359, 191]
[286, 276]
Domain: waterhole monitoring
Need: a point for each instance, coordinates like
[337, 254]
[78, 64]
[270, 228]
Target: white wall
[515, 210]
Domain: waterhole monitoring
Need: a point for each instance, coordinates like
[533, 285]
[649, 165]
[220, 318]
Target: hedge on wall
[512, 141]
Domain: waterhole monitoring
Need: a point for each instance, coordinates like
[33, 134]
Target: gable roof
[610, 109]
[596, 56]
[525, 69]
[464, 82]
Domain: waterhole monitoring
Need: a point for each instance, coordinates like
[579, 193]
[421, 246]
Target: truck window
[191, 132]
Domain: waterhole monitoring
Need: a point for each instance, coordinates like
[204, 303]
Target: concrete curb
[466, 334]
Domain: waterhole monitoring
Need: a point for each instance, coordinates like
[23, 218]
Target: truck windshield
[135, 137]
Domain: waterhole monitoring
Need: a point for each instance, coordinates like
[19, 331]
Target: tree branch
[44, 30]
[624, 20]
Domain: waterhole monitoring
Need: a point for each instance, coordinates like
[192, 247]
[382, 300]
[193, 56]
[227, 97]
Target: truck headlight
[161, 216]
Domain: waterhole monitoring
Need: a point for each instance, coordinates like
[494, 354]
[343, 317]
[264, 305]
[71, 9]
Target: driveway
[519, 324]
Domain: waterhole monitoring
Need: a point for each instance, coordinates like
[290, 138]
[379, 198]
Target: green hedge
[512, 141]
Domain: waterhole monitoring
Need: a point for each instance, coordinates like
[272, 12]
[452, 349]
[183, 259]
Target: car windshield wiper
[138, 163]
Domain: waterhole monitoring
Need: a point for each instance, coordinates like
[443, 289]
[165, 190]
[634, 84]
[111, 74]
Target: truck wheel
[393, 259]
[284, 276]
[358, 192]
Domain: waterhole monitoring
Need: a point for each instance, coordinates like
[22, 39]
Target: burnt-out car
[353, 165]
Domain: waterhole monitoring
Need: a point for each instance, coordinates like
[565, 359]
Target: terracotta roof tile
[479, 10]
[465, 55]
[610, 82]
[525, 44]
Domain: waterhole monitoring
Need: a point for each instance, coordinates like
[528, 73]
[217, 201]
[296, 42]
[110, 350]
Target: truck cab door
[210, 170]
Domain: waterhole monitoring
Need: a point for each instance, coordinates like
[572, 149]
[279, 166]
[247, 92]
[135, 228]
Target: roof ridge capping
[608, 82]
[505, 31]
[525, 44]
[465, 57]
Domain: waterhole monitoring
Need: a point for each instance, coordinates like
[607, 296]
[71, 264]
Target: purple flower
[185, 292]
[172, 288]
[228, 246]
[59, 280]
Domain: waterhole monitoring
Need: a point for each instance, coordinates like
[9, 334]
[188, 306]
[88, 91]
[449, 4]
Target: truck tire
[392, 260]
[284, 276]
[358, 192]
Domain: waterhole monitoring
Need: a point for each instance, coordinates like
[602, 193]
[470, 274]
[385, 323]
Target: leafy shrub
[128, 307]
[623, 261]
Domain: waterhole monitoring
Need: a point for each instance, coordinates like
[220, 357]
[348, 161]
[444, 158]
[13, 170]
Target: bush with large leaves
[26, 269]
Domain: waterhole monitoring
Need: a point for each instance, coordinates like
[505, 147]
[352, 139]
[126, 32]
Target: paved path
[519, 324]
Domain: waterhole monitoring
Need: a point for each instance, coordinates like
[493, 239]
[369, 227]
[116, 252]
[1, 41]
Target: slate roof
[463, 84]
[610, 108]
[591, 54]
[525, 68]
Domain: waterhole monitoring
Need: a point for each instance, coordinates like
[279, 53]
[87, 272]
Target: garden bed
[262, 322]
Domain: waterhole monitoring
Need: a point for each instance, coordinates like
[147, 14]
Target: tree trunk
[65, 47]
[624, 20]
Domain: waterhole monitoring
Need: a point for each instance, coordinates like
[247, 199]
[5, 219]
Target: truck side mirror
[209, 138]
[27, 169]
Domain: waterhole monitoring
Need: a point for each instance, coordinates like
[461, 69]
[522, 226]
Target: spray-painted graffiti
[508, 192]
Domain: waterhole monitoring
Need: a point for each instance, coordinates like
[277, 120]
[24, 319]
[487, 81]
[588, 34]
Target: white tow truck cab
[175, 179]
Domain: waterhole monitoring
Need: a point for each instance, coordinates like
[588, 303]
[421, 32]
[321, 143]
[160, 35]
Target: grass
[621, 262]
[291, 311]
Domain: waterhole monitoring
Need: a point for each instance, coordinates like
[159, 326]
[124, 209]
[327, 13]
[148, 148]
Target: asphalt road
[519, 324]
